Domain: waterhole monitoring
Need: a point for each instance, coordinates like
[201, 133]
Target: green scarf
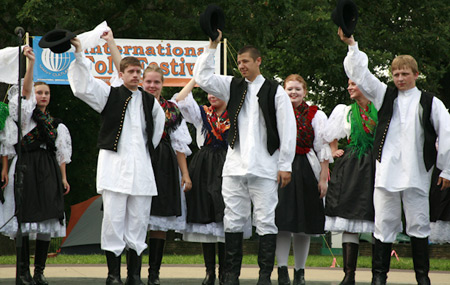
[363, 124]
[4, 113]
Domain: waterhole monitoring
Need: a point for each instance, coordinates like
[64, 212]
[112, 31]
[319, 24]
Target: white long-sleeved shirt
[129, 170]
[249, 155]
[402, 165]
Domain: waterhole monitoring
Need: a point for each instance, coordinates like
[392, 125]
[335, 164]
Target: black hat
[211, 20]
[345, 15]
[58, 40]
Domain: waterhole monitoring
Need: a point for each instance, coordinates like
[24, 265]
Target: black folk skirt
[439, 200]
[350, 189]
[42, 196]
[165, 168]
[300, 210]
[204, 201]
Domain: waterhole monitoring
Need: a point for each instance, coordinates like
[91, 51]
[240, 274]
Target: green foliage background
[294, 36]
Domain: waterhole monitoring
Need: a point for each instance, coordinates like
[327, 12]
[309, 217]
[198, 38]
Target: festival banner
[176, 58]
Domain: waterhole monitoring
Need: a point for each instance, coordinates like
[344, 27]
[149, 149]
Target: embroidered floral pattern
[44, 132]
[173, 116]
[215, 127]
[305, 132]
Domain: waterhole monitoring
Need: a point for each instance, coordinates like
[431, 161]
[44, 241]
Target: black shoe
[233, 257]
[350, 255]
[421, 259]
[113, 263]
[283, 276]
[25, 277]
[210, 278]
[299, 277]
[381, 261]
[266, 257]
[155, 255]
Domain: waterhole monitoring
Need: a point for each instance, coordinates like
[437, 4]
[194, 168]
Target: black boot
[221, 253]
[266, 257]
[155, 255]
[233, 257]
[209, 255]
[421, 259]
[381, 261]
[299, 277]
[350, 255]
[283, 276]
[24, 263]
[40, 257]
[113, 263]
[134, 264]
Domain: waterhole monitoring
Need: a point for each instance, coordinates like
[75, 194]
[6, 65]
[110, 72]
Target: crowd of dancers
[263, 162]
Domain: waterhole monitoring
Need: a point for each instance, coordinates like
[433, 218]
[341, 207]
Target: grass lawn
[313, 261]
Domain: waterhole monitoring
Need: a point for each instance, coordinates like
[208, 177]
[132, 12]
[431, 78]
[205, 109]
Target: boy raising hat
[132, 126]
[410, 120]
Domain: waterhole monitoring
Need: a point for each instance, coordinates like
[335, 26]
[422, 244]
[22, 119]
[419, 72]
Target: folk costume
[168, 208]
[132, 126]
[353, 174]
[349, 200]
[204, 201]
[261, 143]
[300, 211]
[168, 211]
[46, 144]
[404, 149]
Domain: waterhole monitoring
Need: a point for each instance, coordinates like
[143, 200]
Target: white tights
[301, 249]
[350, 237]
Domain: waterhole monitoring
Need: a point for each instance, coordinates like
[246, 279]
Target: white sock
[350, 237]
[283, 247]
[301, 250]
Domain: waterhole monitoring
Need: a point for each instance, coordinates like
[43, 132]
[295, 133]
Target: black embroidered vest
[113, 116]
[384, 119]
[266, 101]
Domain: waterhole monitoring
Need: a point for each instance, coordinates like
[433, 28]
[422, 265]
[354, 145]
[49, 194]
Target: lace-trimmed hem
[215, 229]
[52, 227]
[338, 224]
[158, 223]
[440, 232]
[196, 237]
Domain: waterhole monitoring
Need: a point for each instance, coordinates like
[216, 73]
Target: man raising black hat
[261, 149]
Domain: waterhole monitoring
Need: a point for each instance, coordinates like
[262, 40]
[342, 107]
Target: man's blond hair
[404, 62]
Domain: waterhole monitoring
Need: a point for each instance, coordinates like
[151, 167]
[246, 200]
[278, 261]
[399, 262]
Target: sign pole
[225, 48]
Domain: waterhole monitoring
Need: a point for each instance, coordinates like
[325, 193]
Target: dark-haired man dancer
[262, 140]
[132, 126]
